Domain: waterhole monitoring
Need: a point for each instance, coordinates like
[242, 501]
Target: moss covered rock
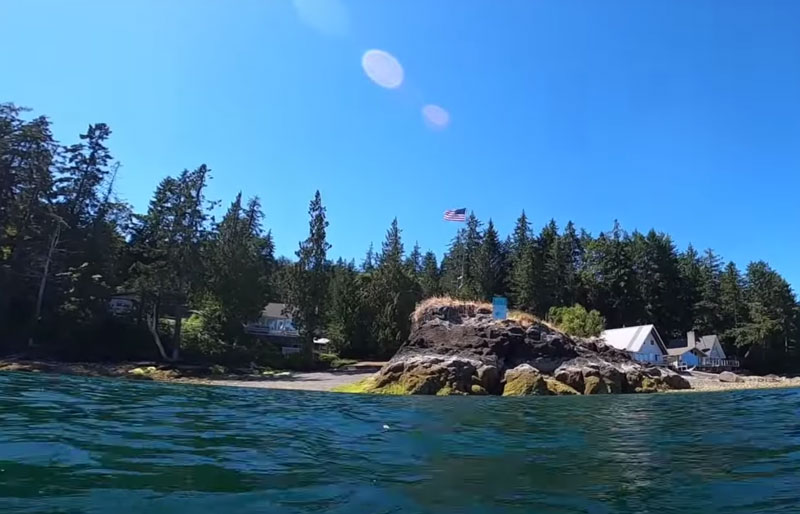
[559, 388]
[525, 380]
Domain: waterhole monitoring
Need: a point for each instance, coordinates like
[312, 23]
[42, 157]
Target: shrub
[577, 321]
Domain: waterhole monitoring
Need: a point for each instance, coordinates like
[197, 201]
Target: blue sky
[682, 115]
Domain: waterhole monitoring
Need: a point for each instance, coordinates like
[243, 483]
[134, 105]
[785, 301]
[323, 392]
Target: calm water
[94, 445]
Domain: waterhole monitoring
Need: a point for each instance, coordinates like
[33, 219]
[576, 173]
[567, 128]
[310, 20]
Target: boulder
[524, 380]
[727, 376]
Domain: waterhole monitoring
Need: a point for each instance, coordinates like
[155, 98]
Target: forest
[68, 242]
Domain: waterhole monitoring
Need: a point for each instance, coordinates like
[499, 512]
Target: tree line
[68, 243]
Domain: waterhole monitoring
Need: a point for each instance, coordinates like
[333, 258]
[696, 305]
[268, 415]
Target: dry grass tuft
[469, 307]
[437, 302]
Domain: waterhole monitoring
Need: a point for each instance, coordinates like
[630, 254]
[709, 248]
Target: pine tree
[166, 249]
[392, 296]
[732, 305]
[430, 276]
[612, 287]
[414, 261]
[551, 272]
[656, 262]
[369, 260]
[489, 265]
[309, 280]
[523, 263]
[707, 310]
[239, 264]
[571, 256]
[453, 266]
[348, 324]
[769, 336]
[469, 286]
[691, 284]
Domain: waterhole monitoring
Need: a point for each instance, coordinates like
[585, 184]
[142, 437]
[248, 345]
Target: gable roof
[705, 343]
[275, 310]
[685, 349]
[631, 339]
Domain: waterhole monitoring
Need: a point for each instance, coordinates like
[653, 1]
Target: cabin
[123, 304]
[643, 343]
[275, 324]
[704, 352]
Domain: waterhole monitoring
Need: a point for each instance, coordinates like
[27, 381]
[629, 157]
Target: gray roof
[275, 310]
[705, 343]
[680, 346]
[685, 349]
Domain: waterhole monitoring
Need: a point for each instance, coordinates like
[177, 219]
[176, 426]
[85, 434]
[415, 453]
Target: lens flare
[382, 68]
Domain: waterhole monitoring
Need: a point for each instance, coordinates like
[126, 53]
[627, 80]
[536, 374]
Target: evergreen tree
[552, 269]
[239, 264]
[731, 298]
[309, 280]
[571, 258]
[430, 276]
[769, 336]
[611, 279]
[392, 296]
[488, 265]
[369, 260]
[348, 323]
[414, 261]
[523, 265]
[707, 310]
[691, 284]
[469, 285]
[166, 246]
[656, 263]
[453, 266]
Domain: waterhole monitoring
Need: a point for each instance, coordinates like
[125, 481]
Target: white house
[705, 352]
[276, 325]
[643, 343]
[123, 304]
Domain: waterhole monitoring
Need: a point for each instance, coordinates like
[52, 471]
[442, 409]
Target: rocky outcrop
[460, 349]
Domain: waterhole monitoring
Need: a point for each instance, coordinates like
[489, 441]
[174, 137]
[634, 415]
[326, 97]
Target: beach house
[642, 342]
[275, 324]
[702, 352]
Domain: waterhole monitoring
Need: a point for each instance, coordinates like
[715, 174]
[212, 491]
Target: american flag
[456, 215]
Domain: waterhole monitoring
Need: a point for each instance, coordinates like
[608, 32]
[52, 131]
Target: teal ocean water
[72, 445]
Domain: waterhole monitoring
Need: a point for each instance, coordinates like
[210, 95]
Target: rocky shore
[458, 348]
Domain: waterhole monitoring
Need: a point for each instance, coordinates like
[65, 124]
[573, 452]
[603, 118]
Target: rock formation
[457, 348]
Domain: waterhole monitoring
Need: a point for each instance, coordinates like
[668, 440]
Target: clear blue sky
[683, 115]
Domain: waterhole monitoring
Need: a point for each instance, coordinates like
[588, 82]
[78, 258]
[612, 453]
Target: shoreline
[324, 381]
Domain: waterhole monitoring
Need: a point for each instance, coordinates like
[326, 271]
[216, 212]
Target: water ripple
[72, 444]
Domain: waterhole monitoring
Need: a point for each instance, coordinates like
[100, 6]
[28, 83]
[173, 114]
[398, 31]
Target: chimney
[690, 339]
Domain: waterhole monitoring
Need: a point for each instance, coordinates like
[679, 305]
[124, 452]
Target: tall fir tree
[393, 295]
[309, 280]
[430, 276]
[239, 263]
[521, 279]
[414, 261]
[489, 266]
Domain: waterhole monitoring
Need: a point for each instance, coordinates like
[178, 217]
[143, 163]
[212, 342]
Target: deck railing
[709, 362]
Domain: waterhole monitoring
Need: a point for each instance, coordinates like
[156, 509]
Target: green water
[94, 445]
